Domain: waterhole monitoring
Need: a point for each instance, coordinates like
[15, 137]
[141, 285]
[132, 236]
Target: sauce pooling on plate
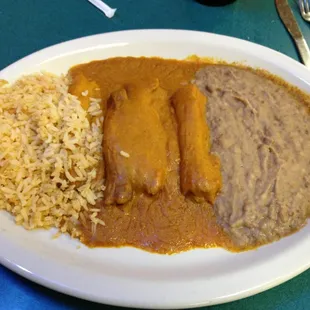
[159, 195]
[163, 182]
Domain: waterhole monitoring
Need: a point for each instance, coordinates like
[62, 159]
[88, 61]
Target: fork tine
[301, 7]
[307, 9]
[306, 6]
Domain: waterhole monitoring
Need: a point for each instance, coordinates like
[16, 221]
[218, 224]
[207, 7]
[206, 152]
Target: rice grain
[49, 154]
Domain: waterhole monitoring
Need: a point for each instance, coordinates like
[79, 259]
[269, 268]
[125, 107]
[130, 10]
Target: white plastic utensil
[108, 11]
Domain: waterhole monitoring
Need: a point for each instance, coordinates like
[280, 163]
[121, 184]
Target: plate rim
[19, 270]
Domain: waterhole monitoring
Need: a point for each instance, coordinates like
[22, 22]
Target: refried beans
[261, 132]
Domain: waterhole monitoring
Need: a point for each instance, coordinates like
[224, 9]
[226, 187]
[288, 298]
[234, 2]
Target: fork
[304, 6]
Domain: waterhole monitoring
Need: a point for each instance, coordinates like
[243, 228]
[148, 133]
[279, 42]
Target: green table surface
[29, 25]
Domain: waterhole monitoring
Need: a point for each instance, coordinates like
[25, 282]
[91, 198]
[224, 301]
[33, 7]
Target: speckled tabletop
[29, 25]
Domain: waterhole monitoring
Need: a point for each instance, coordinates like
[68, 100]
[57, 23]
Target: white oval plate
[131, 277]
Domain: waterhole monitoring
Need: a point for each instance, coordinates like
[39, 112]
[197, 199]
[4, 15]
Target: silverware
[291, 25]
[304, 7]
[104, 8]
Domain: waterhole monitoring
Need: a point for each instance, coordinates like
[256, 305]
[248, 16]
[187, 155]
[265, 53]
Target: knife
[292, 27]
